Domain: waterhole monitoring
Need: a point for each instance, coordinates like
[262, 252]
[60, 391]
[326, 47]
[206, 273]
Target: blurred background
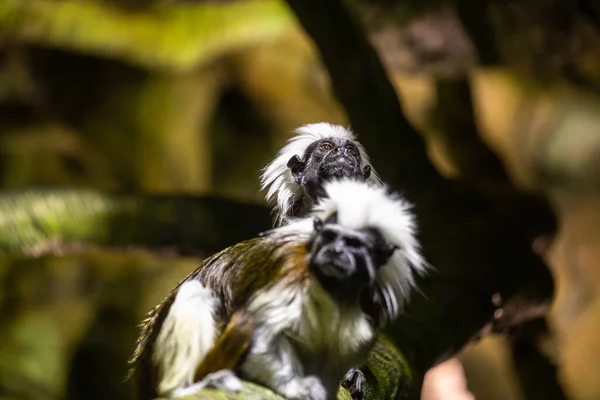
[179, 98]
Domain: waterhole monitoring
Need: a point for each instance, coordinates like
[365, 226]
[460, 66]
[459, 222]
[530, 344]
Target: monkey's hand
[307, 388]
[354, 382]
[224, 380]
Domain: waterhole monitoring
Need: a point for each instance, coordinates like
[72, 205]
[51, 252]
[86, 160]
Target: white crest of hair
[186, 335]
[283, 190]
[360, 205]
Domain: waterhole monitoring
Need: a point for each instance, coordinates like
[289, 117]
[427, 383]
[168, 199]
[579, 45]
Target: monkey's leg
[216, 369]
[275, 364]
[354, 382]
[186, 335]
[230, 347]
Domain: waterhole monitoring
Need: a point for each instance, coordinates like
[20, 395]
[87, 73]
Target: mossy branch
[36, 222]
[388, 377]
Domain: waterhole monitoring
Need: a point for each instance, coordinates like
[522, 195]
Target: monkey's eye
[352, 242]
[325, 147]
[351, 151]
[328, 236]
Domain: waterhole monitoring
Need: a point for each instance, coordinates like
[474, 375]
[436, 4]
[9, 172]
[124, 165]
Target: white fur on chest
[314, 323]
[327, 330]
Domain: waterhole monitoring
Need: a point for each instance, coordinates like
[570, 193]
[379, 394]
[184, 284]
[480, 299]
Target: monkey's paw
[224, 380]
[307, 388]
[354, 382]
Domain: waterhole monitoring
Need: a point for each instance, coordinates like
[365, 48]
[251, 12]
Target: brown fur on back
[234, 274]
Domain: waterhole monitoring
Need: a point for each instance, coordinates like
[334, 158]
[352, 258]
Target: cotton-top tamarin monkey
[318, 153]
[308, 297]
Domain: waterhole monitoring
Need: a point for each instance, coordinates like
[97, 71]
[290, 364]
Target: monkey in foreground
[310, 296]
[318, 153]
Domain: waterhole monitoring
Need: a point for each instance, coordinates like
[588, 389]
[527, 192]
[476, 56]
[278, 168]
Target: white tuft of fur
[186, 335]
[278, 307]
[313, 316]
[361, 205]
[325, 324]
[276, 176]
[272, 359]
[302, 322]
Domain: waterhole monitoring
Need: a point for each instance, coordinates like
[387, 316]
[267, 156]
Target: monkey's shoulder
[238, 273]
[234, 275]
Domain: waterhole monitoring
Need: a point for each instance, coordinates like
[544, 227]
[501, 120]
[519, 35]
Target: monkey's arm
[230, 347]
[274, 362]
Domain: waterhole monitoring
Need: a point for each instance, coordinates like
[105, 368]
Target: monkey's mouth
[334, 265]
[339, 266]
[342, 160]
[340, 167]
[344, 286]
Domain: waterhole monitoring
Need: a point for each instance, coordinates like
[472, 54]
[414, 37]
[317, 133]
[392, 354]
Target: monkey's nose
[341, 151]
[336, 263]
[337, 249]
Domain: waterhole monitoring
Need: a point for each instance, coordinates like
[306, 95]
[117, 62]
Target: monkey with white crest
[294, 180]
[311, 295]
[317, 154]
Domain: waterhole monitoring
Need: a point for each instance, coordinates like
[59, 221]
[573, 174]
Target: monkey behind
[316, 290]
[319, 153]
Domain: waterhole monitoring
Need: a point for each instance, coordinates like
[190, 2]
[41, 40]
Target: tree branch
[360, 83]
[37, 222]
[474, 16]
[536, 375]
[480, 167]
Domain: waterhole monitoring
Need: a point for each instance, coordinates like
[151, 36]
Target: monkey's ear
[333, 218]
[318, 224]
[366, 172]
[297, 166]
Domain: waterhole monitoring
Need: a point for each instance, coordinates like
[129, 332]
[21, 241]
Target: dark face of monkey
[326, 159]
[345, 261]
